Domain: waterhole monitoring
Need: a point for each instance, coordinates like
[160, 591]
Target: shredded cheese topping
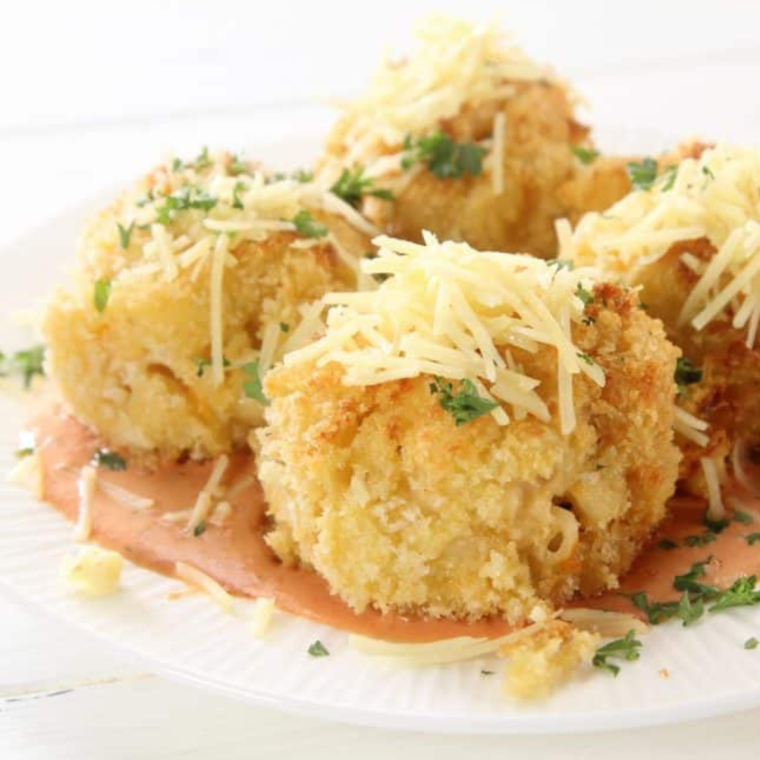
[455, 63]
[450, 311]
[205, 583]
[189, 218]
[86, 485]
[711, 469]
[690, 427]
[715, 197]
[204, 501]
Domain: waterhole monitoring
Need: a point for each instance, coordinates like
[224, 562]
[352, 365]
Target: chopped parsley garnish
[487, 672]
[125, 233]
[584, 295]
[716, 526]
[667, 544]
[686, 374]
[202, 161]
[178, 165]
[183, 199]
[642, 174]
[696, 596]
[377, 276]
[743, 517]
[318, 649]
[701, 540]
[252, 387]
[585, 358]
[464, 406]
[236, 166]
[445, 158]
[202, 364]
[199, 529]
[284, 327]
[306, 225]
[101, 294]
[752, 538]
[110, 460]
[751, 643]
[626, 649]
[707, 171]
[27, 363]
[352, 185]
[585, 155]
[146, 199]
[560, 264]
[300, 175]
[240, 187]
[27, 451]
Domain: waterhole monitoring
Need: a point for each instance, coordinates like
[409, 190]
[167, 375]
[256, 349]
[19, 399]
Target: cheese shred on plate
[449, 311]
[715, 197]
[86, 485]
[199, 579]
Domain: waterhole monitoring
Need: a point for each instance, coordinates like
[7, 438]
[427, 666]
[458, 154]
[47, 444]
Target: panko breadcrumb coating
[130, 340]
[474, 141]
[382, 492]
[538, 664]
[684, 239]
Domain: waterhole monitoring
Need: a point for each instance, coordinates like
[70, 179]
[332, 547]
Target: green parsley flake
[318, 649]
[110, 460]
[101, 294]
[584, 295]
[642, 174]
[686, 374]
[743, 517]
[626, 649]
[560, 264]
[26, 363]
[284, 327]
[466, 405]
[352, 185]
[202, 161]
[701, 540]
[203, 364]
[667, 544]
[752, 538]
[125, 233]
[487, 672]
[585, 358]
[27, 451]
[751, 643]
[445, 158]
[184, 199]
[252, 387]
[307, 226]
[585, 155]
[236, 166]
[199, 529]
[240, 187]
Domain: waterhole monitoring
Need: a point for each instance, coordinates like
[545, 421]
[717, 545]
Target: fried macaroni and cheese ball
[470, 139]
[185, 291]
[689, 237]
[484, 434]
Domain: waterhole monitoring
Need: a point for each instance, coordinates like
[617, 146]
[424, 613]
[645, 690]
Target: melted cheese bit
[715, 197]
[205, 583]
[263, 613]
[94, 571]
[450, 311]
[86, 485]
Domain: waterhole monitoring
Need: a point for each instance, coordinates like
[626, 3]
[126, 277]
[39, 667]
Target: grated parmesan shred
[715, 197]
[86, 485]
[203, 503]
[711, 469]
[451, 311]
[195, 577]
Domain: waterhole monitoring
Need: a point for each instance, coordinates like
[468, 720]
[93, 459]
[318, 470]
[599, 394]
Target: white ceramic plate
[192, 640]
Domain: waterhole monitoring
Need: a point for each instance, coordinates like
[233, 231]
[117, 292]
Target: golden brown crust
[397, 507]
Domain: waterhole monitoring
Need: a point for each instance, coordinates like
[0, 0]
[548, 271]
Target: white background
[93, 93]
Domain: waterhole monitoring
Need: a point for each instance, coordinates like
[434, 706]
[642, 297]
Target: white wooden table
[93, 93]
